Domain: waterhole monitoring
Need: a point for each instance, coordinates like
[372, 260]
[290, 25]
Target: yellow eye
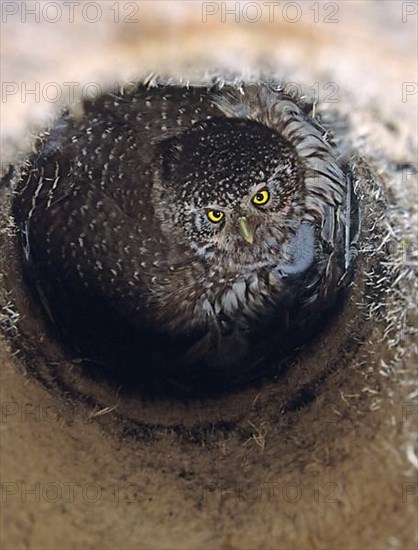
[261, 197]
[215, 216]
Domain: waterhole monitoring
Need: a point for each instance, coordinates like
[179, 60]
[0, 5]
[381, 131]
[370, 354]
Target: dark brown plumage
[199, 227]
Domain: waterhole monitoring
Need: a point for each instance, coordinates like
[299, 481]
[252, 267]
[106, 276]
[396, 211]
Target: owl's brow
[258, 186]
[217, 206]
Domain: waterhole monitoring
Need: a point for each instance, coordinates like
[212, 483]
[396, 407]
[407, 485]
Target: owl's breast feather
[299, 253]
[236, 301]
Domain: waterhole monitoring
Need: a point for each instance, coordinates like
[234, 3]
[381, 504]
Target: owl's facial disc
[231, 183]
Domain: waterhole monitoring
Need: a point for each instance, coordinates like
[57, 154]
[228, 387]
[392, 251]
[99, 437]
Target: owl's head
[231, 189]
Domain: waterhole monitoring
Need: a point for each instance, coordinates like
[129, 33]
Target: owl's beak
[246, 229]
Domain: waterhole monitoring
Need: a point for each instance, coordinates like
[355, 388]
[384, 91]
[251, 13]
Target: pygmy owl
[198, 228]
